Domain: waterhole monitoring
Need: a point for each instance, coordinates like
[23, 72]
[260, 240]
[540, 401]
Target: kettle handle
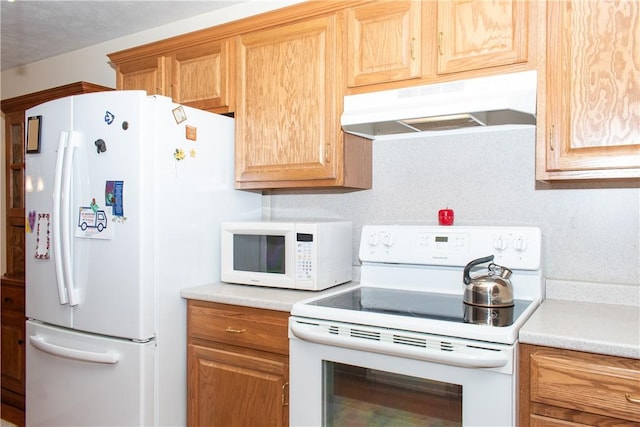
[466, 278]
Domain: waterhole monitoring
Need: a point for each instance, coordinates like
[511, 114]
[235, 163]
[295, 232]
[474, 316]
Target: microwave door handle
[449, 358]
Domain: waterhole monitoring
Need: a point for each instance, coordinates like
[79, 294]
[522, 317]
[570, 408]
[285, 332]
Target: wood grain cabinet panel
[592, 96]
[384, 42]
[288, 105]
[196, 75]
[477, 34]
[12, 337]
[200, 75]
[146, 74]
[237, 366]
[561, 387]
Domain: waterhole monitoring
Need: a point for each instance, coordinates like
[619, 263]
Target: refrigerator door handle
[57, 200]
[70, 353]
[65, 219]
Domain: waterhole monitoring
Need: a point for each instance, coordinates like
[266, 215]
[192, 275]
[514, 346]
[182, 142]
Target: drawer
[12, 298]
[242, 326]
[597, 384]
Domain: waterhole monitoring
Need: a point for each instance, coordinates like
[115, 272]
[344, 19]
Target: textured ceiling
[32, 30]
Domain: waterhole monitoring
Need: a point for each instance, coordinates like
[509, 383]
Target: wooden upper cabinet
[384, 42]
[200, 75]
[288, 105]
[146, 74]
[476, 34]
[425, 42]
[592, 94]
[195, 75]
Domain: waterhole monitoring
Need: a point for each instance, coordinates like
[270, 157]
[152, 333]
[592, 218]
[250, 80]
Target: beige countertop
[253, 296]
[595, 318]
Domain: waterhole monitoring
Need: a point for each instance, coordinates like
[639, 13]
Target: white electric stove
[407, 317]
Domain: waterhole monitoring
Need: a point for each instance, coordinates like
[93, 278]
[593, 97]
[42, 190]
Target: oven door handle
[475, 358]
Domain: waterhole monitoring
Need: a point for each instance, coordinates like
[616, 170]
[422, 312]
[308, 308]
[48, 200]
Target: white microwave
[294, 255]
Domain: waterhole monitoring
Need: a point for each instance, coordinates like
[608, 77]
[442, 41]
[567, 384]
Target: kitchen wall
[590, 234]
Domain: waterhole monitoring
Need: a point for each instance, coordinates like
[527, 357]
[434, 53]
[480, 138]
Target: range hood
[506, 99]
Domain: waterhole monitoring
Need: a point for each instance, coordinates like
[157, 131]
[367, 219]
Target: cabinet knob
[7, 300]
[285, 394]
[413, 53]
[20, 342]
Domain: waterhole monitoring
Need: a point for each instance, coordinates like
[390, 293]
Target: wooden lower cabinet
[570, 388]
[237, 365]
[12, 337]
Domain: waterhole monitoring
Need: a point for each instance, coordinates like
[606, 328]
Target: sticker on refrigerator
[93, 222]
[43, 236]
[179, 114]
[31, 222]
[109, 117]
[113, 197]
[191, 132]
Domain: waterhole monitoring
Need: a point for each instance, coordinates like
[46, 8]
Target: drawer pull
[631, 398]
[230, 330]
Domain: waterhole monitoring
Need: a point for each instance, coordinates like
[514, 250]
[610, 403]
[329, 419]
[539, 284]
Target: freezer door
[46, 295]
[76, 379]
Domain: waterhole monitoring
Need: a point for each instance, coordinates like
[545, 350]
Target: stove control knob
[520, 244]
[373, 239]
[387, 239]
[500, 243]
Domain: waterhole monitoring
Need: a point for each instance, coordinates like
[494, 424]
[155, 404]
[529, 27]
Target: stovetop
[423, 305]
[411, 280]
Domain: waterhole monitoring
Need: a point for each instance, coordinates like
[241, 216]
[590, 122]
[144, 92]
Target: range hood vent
[507, 99]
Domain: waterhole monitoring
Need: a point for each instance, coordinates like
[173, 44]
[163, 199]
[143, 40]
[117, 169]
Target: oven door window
[361, 396]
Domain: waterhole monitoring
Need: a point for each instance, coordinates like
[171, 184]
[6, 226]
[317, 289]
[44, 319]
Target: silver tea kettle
[490, 290]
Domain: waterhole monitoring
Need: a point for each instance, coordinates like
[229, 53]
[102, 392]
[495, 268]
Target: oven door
[333, 385]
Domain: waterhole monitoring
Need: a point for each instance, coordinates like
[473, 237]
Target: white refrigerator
[124, 197]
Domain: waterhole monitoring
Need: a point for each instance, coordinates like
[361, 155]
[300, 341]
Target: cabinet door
[13, 344]
[145, 74]
[593, 91]
[475, 34]
[14, 187]
[200, 75]
[383, 42]
[236, 389]
[287, 119]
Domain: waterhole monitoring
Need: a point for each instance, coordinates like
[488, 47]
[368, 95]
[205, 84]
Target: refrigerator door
[110, 217]
[91, 190]
[77, 379]
[46, 295]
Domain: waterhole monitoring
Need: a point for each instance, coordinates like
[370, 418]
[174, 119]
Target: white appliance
[402, 346]
[308, 255]
[125, 194]
[498, 100]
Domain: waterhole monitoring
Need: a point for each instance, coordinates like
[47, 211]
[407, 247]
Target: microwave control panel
[304, 256]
